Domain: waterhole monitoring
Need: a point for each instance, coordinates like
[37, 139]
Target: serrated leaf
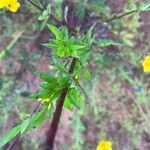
[34, 121]
[87, 74]
[144, 6]
[50, 44]
[41, 17]
[45, 13]
[74, 50]
[64, 32]
[106, 42]
[76, 47]
[48, 78]
[44, 94]
[55, 94]
[74, 53]
[59, 66]
[68, 104]
[9, 135]
[33, 96]
[48, 8]
[27, 125]
[45, 86]
[73, 99]
[74, 102]
[61, 51]
[55, 31]
[64, 81]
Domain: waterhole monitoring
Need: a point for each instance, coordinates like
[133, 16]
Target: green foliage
[118, 71]
[144, 7]
[73, 99]
[45, 13]
[10, 135]
[106, 42]
[87, 74]
[63, 45]
[51, 86]
[32, 122]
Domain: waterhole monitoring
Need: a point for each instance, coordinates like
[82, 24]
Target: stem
[55, 121]
[35, 5]
[42, 9]
[120, 16]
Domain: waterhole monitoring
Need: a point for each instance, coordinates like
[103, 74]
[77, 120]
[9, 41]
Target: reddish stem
[55, 121]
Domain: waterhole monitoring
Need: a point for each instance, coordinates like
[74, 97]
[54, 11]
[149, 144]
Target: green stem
[35, 5]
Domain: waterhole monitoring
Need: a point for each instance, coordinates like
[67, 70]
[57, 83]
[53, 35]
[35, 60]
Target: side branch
[42, 9]
[120, 16]
[35, 5]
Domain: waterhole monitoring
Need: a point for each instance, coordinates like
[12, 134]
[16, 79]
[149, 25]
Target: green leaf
[55, 31]
[33, 96]
[51, 44]
[76, 47]
[68, 104]
[144, 6]
[9, 136]
[73, 99]
[41, 17]
[59, 66]
[74, 50]
[74, 53]
[44, 94]
[87, 74]
[45, 86]
[48, 78]
[48, 8]
[65, 80]
[106, 42]
[55, 94]
[64, 32]
[32, 122]
[61, 51]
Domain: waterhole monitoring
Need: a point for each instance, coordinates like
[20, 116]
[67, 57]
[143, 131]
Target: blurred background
[118, 107]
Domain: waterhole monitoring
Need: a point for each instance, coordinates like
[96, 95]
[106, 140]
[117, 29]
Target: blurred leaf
[87, 74]
[106, 42]
[45, 14]
[73, 99]
[9, 136]
[55, 31]
[59, 66]
[48, 78]
[27, 125]
[33, 121]
[144, 6]
[15, 37]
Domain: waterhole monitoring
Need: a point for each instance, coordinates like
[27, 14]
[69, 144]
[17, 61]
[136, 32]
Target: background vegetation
[117, 107]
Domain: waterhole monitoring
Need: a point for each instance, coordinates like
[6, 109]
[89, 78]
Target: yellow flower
[45, 100]
[146, 64]
[12, 5]
[3, 3]
[104, 145]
